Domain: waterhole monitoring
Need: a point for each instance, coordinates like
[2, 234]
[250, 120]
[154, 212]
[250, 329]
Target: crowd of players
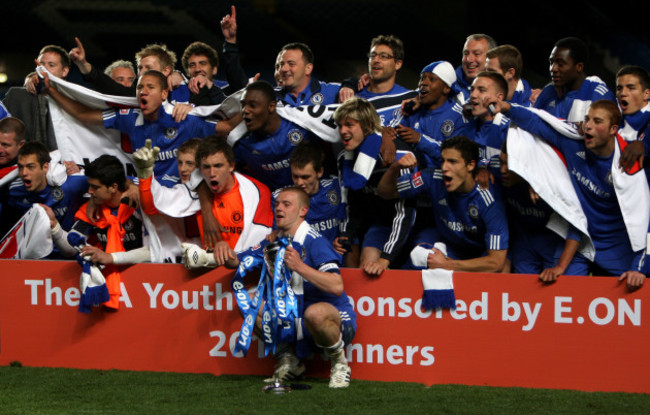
[455, 174]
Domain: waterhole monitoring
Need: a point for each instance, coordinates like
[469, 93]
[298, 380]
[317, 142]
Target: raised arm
[78, 56]
[387, 187]
[235, 74]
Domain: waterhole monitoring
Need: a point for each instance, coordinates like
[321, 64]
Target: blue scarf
[93, 286]
[281, 307]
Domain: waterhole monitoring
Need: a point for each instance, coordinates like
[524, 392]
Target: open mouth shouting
[214, 186]
[447, 180]
[27, 183]
[143, 103]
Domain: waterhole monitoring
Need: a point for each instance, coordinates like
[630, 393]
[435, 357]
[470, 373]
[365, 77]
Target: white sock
[336, 352]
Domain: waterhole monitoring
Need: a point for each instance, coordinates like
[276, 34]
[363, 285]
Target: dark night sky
[338, 31]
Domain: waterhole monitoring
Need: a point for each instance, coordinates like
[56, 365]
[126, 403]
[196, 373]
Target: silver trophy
[276, 387]
[270, 253]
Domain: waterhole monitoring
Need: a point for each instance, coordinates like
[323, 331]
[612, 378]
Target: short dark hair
[108, 170]
[307, 54]
[612, 108]
[499, 80]
[213, 145]
[190, 145]
[13, 125]
[65, 59]
[635, 70]
[265, 88]
[162, 79]
[38, 149]
[509, 57]
[468, 148]
[577, 49]
[308, 152]
[199, 48]
[394, 43]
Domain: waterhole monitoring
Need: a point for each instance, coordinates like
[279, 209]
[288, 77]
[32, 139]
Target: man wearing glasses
[384, 60]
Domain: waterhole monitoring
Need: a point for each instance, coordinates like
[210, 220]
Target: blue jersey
[592, 180]
[64, 200]
[522, 94]
[326, 209]
[468, 223]
[180, 94]
[267, 156]
[462, 84]
[574, 104]
[490, 136]
[318, 253]
[388, 104]
[434, 127]
[315, 93]
[165, 133]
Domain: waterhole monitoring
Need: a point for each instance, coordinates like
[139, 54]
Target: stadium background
[338, 31]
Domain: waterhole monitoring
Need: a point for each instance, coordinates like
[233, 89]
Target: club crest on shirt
[472, 211]
[128, 225]
[57, 193]
[447, 128]
[171, 133]
[317, 98]
[236, 216]
[333, 197]
[295, 137]
[608, 178]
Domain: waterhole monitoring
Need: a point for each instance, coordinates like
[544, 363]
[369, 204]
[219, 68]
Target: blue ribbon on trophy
[280, 309]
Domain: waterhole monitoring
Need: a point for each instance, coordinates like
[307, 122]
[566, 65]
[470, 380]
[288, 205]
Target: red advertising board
[583, 333]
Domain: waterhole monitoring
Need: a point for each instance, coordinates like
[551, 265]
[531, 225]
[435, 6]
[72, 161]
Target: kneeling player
[328, 321]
